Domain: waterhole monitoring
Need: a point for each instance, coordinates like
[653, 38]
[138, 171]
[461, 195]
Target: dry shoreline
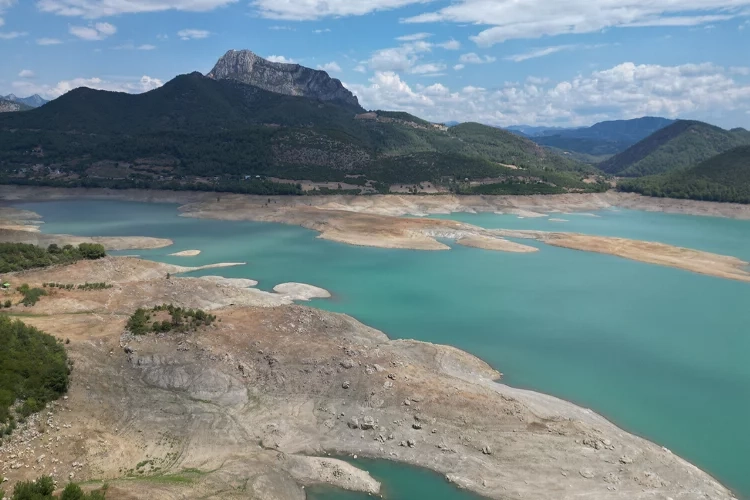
[247, 402]
[378, 221]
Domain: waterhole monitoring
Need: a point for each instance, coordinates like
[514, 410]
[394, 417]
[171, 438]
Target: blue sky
[549, 62]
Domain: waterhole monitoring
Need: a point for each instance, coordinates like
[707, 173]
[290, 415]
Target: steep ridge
[33, 101]
[680, 145]
[290, 79]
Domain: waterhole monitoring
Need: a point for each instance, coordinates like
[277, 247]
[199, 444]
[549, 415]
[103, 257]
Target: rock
[346, 385]
[128, 349]
[289, 79]
[416, 425]
[347, 363]
[487, 450]
[392, 376]
[407, 402]
[353, 423]
[367, 423]
[587, 473]
[626, 460]
[411, 443]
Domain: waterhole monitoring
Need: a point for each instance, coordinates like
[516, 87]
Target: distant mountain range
[32, 102]
[251, 125]
[7, 106]
[599, 140]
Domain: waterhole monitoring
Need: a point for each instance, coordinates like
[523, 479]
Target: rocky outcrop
[7, 106]
[289, 79]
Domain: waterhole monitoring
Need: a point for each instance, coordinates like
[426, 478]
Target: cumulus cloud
[192, 34]
[406, 58]
[331, 67]
[98, 31]
[450, 45]
[131, 86]
[510, 19]
[625, 91]
[281, 59]
[473, 58]
[26, 73]
[48, 41]
[103, 8]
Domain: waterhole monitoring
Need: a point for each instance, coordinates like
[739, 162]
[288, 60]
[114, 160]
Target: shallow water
[662, 352]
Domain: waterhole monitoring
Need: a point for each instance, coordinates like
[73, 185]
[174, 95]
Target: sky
[500, 62]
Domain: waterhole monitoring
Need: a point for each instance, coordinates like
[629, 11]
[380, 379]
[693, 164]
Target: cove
[661, 352]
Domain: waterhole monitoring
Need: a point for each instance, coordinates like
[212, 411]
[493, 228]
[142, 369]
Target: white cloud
[132, 86]
[331, 67]
[459, 67]
[511, 19]
[26, 73]
[281, 28]
[360, 69]
[48, 41]
[103, 8]
[192, 34]
[12, 34]
[305, 10]
[450, 45]
[98, 31]
[739, 70]
[473, 58]
[132, 46]
[627, 90]
[4, 5]
[281, 59]
[743, 25]
[414, 37]
[540, 52]
[318, 32]
[427, 69]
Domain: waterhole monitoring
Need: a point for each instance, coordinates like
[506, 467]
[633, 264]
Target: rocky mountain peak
[290, 79]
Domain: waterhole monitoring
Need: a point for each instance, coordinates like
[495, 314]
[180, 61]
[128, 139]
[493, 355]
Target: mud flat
[186, 253]
[240, 409]
[32, 236]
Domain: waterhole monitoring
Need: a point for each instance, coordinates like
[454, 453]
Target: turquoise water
[400, 482]
[661, 352]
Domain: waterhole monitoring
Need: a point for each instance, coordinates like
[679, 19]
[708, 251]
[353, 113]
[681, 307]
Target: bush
[33, 369]
[92, 251]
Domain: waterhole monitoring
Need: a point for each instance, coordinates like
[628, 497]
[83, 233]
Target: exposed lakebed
[660, 351]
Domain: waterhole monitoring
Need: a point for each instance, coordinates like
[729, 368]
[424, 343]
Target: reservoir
[661, 352]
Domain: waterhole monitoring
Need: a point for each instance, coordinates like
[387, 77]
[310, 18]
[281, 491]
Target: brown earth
[237, 410]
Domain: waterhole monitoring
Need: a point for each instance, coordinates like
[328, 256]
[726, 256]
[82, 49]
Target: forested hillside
[725, 177]
[203, 134]
[680, 145]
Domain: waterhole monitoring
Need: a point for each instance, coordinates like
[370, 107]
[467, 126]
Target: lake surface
[662, 352]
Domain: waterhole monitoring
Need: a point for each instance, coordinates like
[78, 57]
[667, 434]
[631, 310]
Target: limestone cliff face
[290, 79]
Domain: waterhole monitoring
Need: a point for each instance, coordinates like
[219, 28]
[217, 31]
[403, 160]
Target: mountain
[8, 106]
[724, 177]
[203, 133]
[535, 131]
[603, 138]
[680, 145]
[290, 79]
[33, 102]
